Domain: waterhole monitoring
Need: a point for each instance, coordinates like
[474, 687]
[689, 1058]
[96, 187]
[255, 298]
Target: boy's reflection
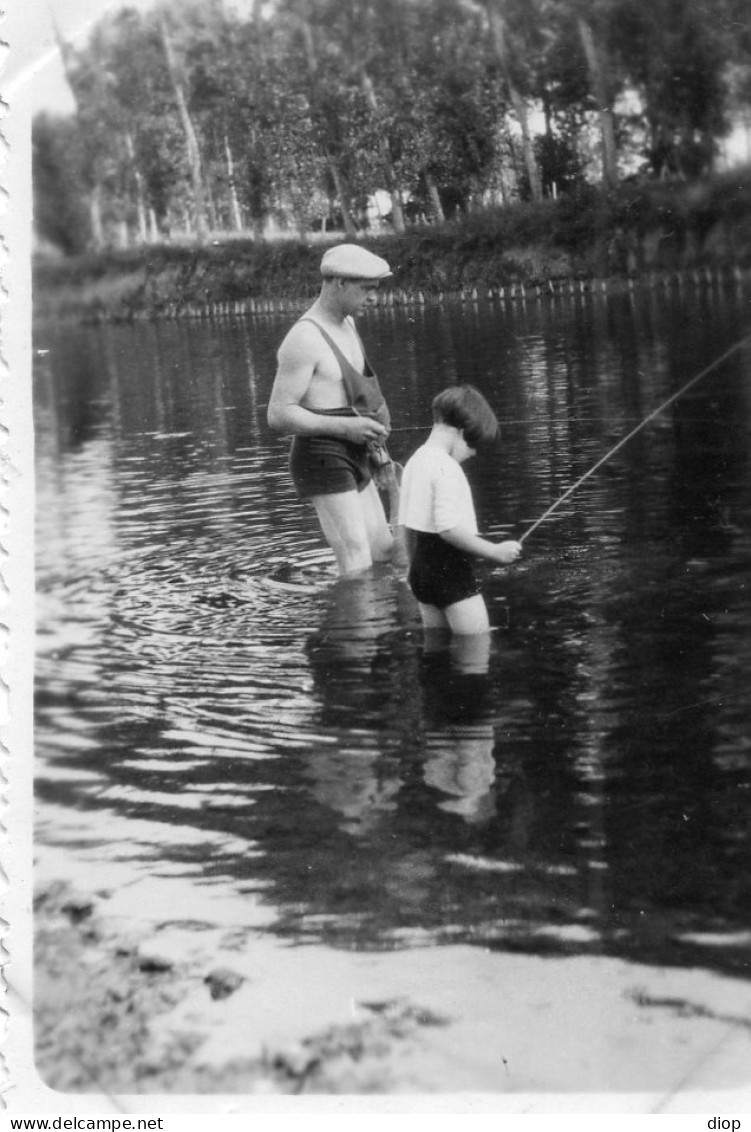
[459, 736]
[384, 703]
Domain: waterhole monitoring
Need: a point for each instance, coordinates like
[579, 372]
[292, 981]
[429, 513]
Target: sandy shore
[140, 992]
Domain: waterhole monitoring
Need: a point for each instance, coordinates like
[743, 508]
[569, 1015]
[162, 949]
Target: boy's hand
[507, 552]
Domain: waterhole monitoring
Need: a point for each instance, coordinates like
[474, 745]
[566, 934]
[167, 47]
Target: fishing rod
[655, 412]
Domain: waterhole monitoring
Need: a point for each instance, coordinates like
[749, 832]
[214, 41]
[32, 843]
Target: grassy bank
[624, 234]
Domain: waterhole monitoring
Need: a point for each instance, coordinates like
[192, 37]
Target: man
[326, 395]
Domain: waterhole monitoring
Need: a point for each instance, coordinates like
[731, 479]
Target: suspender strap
[363, 391]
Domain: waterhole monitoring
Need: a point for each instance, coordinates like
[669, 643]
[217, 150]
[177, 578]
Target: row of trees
[197, 118]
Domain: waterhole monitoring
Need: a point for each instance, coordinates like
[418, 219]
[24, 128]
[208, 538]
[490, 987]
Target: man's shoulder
[303, 337]
[302, 330]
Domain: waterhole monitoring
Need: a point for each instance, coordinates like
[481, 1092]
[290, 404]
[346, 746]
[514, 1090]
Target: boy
[438, 513]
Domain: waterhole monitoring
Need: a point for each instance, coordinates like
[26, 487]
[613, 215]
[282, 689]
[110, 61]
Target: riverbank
[132, 997]
[651, 234]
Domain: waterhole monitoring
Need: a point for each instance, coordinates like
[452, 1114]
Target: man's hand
[362, 429]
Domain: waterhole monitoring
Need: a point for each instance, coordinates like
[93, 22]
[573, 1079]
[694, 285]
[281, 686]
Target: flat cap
[349, 261]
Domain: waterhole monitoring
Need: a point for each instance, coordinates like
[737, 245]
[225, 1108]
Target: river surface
[212, 704]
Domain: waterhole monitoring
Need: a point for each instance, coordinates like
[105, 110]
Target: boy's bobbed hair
[465, 408]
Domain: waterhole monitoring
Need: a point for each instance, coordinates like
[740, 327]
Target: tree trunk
[503, 189]
[340, 186]
[143, 234]
[234, 204]
[397, 212]
[604, 110]
[191, 140]
[140, 197]
[95, 216]
[434, 195]
[214, 222]
[95, 197]
[342, 194]
[498, 32]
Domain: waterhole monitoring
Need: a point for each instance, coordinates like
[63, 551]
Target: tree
[602, 93]
[193, 113]
[326, 113]
[448, 106]
[88, 85]
[192, 145]
[511, 55]
[675, 53]
[60, 213]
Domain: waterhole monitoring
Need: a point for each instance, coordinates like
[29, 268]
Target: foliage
[524, 243]
[59, 211]
[303, 109]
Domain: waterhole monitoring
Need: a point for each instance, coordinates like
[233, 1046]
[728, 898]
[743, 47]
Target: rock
[223, 982]
[78, 908]
[295, 1060]
[152, 958]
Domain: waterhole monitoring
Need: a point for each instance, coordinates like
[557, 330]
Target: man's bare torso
[326, 389]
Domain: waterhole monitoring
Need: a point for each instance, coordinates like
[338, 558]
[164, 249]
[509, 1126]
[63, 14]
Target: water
[214, 705]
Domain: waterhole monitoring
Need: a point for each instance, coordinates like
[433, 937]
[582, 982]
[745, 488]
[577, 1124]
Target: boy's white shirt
[435, 493]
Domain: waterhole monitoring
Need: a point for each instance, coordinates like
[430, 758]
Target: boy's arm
[464, 539]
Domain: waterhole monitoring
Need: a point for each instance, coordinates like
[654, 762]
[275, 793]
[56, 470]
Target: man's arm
[297, 360]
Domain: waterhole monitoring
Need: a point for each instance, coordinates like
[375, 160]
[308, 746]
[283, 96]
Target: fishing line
[537, 420]
[639, 427]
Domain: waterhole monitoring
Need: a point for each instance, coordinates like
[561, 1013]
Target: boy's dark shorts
[325, 465]
[440, 574]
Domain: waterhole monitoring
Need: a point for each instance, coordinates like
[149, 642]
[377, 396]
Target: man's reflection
[358, 669]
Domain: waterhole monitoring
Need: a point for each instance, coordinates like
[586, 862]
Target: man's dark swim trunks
[326, 465]
[440, 574]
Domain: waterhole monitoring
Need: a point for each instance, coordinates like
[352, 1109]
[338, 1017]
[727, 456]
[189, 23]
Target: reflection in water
[352, 679]
[459, 733]
[579, 779]
[460, 764]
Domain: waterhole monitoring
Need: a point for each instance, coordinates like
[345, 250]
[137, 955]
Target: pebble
[223, 982]
[152, 958]
[78, 908]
